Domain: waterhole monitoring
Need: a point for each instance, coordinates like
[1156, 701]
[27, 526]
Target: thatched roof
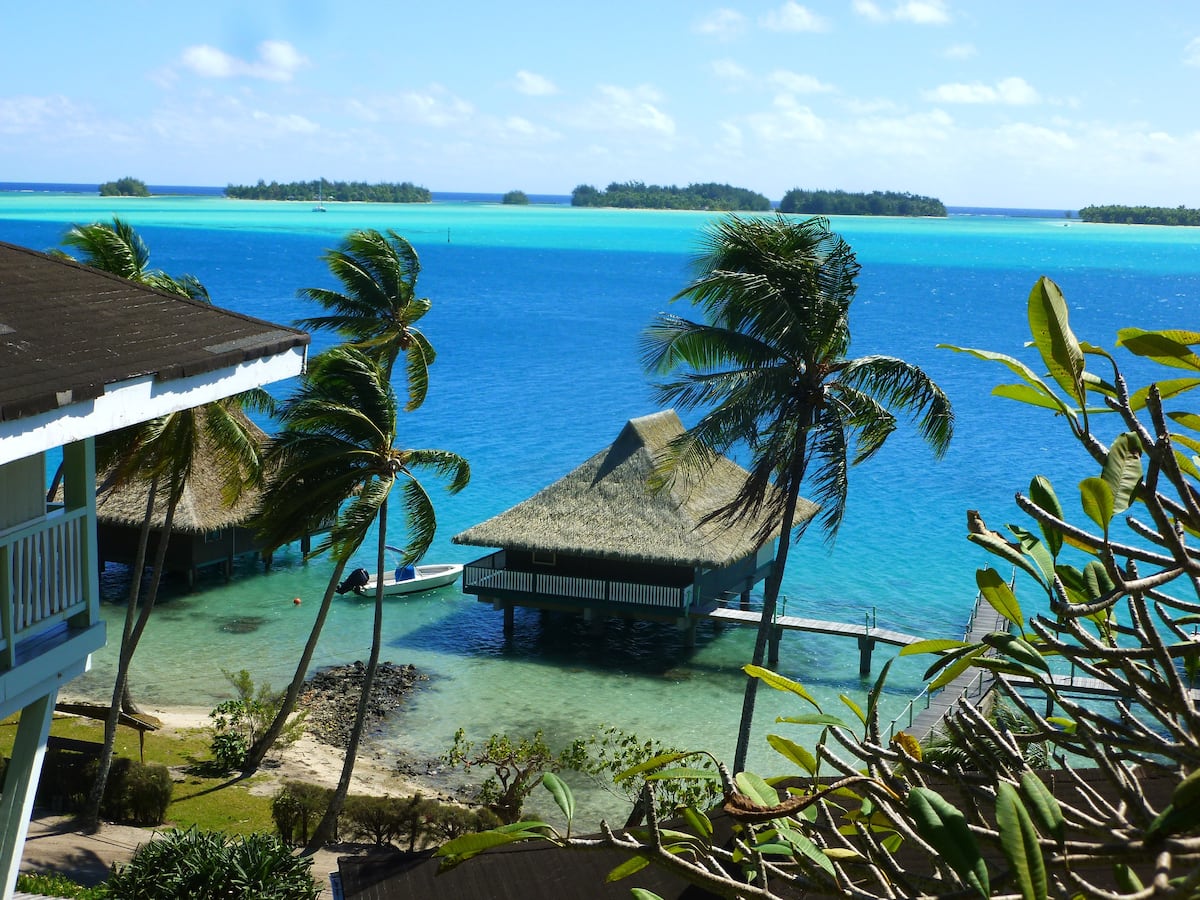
[604, 508]
[202, 507]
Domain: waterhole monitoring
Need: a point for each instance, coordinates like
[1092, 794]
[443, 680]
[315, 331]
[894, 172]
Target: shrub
[296, 807]
[373, 818]
[206, 864]
[239, 722]
[52, 884]
[148, 790]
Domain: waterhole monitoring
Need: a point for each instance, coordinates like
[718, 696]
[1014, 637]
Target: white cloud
[788, 121]
[1007, 92]
[1023, 134]
[729, 71]
[22, 115]
[724, 24]
[624, 109]
[434, 106]
[1191, 53]
[796, 83]
[960, 51]
[535, 85]
[277, 61]
[916, 12]
[793, 17]
[288, 123]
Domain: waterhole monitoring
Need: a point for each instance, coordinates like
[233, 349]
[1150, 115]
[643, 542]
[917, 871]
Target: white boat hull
[427, 578]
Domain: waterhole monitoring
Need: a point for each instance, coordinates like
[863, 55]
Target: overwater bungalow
[600, 542]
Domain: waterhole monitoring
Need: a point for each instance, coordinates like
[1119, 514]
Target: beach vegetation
[336, 191]
[207, 865]
[335, 459]
[515, 198]
[638, 195]
[848, 203]
[1106, 589]
[296, 808]
[515, 766]
[124, 187]
[53, 884]
[238, 722]
[1141, 215]
[765, 365]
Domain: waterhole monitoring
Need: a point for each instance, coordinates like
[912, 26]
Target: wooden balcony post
[8, 654]
[79, 492]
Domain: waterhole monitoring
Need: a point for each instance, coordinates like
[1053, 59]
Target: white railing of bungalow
[489, 574]
[43, 577]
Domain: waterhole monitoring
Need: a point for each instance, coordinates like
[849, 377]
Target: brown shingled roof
[67, 331]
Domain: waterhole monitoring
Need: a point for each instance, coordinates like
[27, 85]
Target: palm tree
[336, 455]
[376, 311]
[378, 308]
[767, 370]
[160, 454]
[119, 250]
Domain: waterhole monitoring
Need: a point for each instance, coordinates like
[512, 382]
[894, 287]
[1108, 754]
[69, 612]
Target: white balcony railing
[43, 577]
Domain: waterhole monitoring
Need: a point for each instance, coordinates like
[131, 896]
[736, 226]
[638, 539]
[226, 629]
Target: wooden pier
[867, 635]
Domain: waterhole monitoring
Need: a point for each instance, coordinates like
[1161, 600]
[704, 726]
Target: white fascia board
[139, 400]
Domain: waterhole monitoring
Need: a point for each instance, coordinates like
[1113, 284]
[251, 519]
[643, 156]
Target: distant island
[844, 203]
[636, 195]
[339, 191]
[124, 187]
[515, 198]
[1141, 215]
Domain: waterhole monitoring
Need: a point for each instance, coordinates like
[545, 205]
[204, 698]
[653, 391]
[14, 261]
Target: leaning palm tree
[378, 307]
[336, 455]
[376, 311]
[767, 370]
[158, 454]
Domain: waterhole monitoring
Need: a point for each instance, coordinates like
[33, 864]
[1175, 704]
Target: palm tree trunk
[260, 748]
[770, 601]
[326, 830]
[130, 635]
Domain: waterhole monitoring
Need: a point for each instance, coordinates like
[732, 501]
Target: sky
[1052, 104]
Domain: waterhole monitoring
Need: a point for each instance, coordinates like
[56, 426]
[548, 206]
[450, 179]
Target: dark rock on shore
[331, 698]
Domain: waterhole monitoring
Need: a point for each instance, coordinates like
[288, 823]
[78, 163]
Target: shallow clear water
[536, 317]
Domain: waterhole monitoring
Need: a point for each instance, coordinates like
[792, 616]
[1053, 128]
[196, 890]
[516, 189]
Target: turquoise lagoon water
[536, 317]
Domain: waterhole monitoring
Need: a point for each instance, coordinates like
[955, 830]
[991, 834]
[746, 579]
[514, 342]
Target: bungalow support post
[20, 785]
[865, 646]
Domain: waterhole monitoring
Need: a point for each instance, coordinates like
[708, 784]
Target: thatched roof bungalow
[600, 541]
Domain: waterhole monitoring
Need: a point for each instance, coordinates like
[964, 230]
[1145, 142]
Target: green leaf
[701, 824]
[1066, 725]
[957, 668]
[1168, 348]
[1032, 546]
[643, 894]
[1019, 842]
[945, 828]
[935, 645]
[1042, 493]
[854, 708]
[1187, 465]
[1123, 469]
[1126, 879]
[756, 789]
[1097, 499]
[1018, 649]
[1032, 395]
[1186, 419]
[1043, 807]
[792, 751]
[803, 844]
[684, 774]
[460, 849]
[998, 546]
[562, 795]
[816, 719]
[631, 866]
[1052, 335]
[1096, 581]
[779, 683]
[1000, 596]
[1166, 389]
[654, 762]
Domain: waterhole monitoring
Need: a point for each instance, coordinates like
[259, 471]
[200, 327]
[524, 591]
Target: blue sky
[1051, 103]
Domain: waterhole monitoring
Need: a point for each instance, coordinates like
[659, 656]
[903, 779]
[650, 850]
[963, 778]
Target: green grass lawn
[218, 804]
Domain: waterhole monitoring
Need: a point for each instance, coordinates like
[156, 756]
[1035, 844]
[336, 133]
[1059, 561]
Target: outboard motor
[355, 581]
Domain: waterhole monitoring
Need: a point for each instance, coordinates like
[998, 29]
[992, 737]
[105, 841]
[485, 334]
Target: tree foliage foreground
[1111, 591]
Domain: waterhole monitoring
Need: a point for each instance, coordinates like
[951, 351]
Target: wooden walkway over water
[866, 634]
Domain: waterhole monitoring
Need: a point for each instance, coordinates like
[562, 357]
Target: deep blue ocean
[536, 317]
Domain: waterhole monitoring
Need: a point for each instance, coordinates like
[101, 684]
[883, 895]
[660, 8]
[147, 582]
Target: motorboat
[403, 579]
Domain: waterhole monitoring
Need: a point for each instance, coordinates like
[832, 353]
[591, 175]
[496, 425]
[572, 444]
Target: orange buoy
[296, 601]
